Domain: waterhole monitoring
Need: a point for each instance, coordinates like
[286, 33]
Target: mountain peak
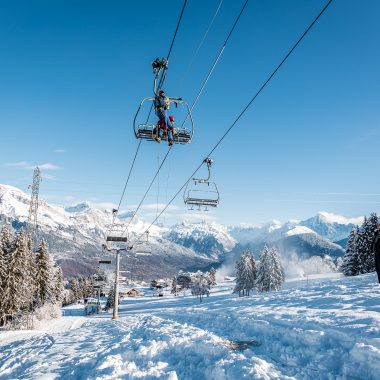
[331, 218]
[80, 207]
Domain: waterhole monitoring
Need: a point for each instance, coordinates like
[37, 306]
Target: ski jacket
[162, 103]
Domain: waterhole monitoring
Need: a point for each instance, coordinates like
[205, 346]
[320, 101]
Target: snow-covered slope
[211, 239]
[299, 230]
[323, 329]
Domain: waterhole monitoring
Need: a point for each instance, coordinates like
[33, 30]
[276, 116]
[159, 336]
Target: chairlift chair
[142, 246]
[144, 129]
[117, 238]
[203, 192]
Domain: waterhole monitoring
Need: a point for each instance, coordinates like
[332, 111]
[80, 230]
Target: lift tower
[33, 208]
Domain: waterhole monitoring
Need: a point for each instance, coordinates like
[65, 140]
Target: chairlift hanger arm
[208, 162]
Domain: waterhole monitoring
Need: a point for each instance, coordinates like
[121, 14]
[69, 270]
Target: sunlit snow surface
[323, 329]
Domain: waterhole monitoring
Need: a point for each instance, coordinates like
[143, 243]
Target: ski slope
[323, 329]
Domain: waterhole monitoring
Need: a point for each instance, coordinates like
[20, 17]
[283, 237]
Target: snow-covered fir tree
[350, 264]
[5, 251]
[44, 276]
[75, 289]
[88, 287]
[21, 275]
[58, 289]
[270, 273]
[245, 274]
[18, 291]
[212, 277]
[174, 289]
[366, 255]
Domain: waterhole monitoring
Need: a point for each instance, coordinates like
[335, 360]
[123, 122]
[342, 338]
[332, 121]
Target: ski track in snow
[326, 330]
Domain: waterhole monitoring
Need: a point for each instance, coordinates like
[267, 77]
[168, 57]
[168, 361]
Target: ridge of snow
[329, 217]
[299, 230]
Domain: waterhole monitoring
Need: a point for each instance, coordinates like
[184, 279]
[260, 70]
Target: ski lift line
[245, 109]
[125, 188]
[162, 79]
[158, 183]
[204, 36]
[215, 63]
[163, 75]
[176, 30]
[147, 191]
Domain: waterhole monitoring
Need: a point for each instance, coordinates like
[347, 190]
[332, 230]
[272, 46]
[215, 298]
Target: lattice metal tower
[33, 208]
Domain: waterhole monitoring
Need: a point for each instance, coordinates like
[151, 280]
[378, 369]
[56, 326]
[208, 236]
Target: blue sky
[72, 74]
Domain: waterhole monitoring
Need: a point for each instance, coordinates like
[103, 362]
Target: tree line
[28, 280]
[359, 257]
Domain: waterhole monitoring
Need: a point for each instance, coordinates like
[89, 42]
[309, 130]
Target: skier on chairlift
[162, 104]
[164, 128]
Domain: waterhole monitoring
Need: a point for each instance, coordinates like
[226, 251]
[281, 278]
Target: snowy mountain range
[75, 235]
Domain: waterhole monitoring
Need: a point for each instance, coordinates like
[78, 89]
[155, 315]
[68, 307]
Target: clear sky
[72, 74]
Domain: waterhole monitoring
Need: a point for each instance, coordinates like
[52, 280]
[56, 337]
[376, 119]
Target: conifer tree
[44, 275]
[76, 292]
[366, 255]
[174, 289]
[270, 274]
[17, 294]
[58, 285]
[5, 251]
[212, 277]
[246, 274]
[350, 264]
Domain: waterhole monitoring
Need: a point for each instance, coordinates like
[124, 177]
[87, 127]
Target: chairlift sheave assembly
[202, 192]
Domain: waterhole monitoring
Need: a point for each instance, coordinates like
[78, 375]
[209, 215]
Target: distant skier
[376, 250]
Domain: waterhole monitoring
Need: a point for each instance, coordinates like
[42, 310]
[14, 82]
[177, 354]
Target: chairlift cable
[176, 30]
[147, 191]
[244, 110]
[204, 36]
[215, 63]
[125, 187]
[163, 77]
[158, 183]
